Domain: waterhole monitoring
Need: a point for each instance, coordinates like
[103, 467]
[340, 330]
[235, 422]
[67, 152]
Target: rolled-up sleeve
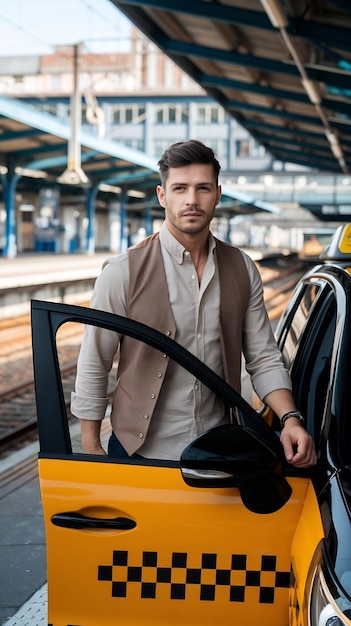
[99, 347]
[263, 359]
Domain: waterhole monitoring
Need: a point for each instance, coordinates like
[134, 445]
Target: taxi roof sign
[340, 245]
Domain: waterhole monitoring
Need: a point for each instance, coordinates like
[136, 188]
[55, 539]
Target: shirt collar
[176, 249]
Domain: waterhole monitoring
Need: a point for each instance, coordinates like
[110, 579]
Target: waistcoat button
[146, 415]
[141, 435]
[159, 374]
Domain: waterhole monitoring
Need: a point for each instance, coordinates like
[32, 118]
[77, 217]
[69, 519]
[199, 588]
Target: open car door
[220, 538]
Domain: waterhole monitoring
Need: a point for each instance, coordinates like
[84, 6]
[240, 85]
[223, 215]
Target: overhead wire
[59, 49]
[88, 5]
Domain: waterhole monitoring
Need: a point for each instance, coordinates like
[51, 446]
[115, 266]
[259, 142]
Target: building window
[128, 113]
[136, 144]
[242, 147]
[171, 113]
[55, 82]
[117, 115]
[219, 147]
[211, 114]
[248, 147]
[160, 115]
[160, 145]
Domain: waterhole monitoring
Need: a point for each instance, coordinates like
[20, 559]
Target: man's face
[189, 198]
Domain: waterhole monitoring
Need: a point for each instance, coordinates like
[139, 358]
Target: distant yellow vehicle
[230, 535]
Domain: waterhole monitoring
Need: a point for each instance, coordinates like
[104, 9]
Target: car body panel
[309, 532]
[197, 555]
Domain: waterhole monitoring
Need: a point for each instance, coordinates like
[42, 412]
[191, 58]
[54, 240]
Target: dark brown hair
[186, 153]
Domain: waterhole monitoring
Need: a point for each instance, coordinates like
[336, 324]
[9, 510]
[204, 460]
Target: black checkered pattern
[121, 574]
[294, 605]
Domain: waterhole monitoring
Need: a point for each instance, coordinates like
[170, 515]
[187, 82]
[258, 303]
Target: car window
[307, 353]
[296, 321]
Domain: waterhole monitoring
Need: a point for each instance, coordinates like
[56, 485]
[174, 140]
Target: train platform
[29, 269]
[35, 268]
[58, 277]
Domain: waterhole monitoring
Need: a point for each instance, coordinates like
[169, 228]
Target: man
[205, 294]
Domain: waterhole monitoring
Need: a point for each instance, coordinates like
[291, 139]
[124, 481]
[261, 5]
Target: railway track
[17, 397]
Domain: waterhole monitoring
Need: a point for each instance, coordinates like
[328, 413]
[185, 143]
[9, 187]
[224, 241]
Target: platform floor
[32, 613]
[56, 277]
[22, 538]
[33, 269]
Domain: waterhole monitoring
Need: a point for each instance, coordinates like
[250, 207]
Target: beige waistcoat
[141, 368]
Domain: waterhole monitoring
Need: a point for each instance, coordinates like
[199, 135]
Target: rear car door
[315, 339]
[136, 542]
[308, 341]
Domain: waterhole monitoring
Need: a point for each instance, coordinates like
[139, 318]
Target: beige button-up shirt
[185, 407]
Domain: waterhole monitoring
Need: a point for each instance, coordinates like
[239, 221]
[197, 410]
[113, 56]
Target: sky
[36, 27]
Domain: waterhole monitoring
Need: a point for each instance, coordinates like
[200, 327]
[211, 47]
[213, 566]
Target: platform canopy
[34, 148]
[282, 68]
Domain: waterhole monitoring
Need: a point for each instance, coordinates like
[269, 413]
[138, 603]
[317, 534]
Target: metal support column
[9, 182]
[228, 230]
[148, 216]
[91, 197]
[123, 222]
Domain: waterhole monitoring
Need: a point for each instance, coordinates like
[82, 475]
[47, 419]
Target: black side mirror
[232, 456]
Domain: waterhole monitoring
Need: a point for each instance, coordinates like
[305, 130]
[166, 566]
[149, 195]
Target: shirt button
[193, 276]
[146, 416]
[141, 435]
[199, 336]
[159, 374]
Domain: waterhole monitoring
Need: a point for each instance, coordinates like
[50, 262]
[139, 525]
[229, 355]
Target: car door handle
[78, 521]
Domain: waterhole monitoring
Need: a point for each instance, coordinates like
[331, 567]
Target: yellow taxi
[230, 534]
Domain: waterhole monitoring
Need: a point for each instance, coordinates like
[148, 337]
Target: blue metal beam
[236, 16]
[261, 127]
[132, 177]
[179, 48]
[45, 149]
[49, 124]
[208, 10]
[236, 105]
[20, 134]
